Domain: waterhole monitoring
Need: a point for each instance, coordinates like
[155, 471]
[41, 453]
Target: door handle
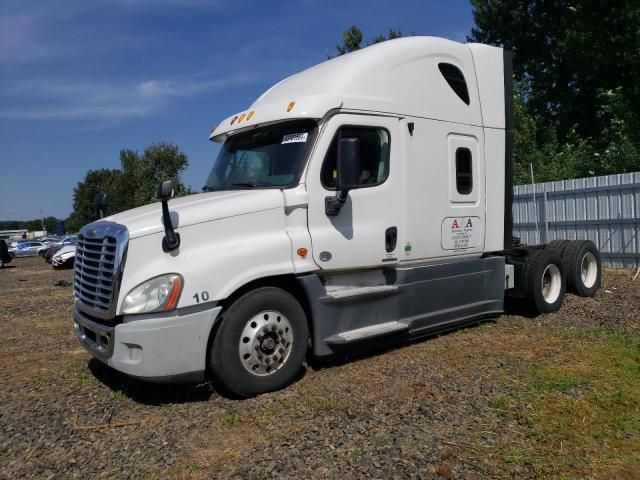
[391, 239]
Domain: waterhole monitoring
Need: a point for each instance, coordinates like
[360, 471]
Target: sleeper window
[456, 81]
[464, 175]
[374, 156]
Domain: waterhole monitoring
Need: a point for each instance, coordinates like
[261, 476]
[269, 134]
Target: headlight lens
[158, 294]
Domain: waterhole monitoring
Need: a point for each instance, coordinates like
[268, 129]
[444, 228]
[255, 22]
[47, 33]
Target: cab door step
[366, 332]
[348, 292]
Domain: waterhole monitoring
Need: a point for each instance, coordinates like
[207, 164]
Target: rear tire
[545, 282]
[582, 265]
[261, 343]
[557, 246]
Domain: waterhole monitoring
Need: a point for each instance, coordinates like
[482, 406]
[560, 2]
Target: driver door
[367, 232]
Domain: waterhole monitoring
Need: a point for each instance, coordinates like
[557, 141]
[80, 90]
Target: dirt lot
[552, 396]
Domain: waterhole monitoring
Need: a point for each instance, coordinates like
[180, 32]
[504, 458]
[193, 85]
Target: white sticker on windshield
[295, 138]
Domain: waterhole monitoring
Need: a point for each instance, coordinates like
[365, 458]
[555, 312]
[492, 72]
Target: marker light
[233, 120]
[302, 252]
[157, 294]
[290, 107]
[213, 129]
[242, 117]
[250, 115]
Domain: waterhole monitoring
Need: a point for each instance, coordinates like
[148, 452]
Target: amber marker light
[213, 129]
[250, 115]
[172, 299]
[242, 117]
[302, 252]
[233, 120]
[290, 107]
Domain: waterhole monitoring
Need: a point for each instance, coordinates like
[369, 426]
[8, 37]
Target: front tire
[261, 343]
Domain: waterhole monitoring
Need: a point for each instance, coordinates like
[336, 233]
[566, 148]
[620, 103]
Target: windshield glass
[272, 156]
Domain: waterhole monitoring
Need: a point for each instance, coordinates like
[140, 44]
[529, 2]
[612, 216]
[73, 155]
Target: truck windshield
[271, 156]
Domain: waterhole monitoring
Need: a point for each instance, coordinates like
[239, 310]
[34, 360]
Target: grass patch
[232, 418]
[328, 403]
[579, 405]
[118, 394]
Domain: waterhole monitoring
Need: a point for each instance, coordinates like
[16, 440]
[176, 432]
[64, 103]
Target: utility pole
[42, 219]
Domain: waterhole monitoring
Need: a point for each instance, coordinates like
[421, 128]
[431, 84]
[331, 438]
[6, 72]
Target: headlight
[158, 294]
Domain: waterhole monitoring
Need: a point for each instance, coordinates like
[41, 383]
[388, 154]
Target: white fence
[604, 209]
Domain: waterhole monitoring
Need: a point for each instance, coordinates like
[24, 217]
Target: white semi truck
[364, 200]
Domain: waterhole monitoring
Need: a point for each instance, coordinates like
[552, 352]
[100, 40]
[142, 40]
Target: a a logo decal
[461, 233]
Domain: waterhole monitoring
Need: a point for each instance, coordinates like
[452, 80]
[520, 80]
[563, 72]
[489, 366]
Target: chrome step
[367, 332]
[358, 291]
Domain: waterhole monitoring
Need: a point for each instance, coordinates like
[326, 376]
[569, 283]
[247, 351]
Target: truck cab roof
[425, 77]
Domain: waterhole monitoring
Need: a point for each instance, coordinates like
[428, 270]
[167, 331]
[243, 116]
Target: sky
[81, 80]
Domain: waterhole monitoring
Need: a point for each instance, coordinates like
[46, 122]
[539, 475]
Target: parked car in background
[27, 249]
[50, 252]
[48, 240]
[68, 240]
[15, 243]
[65, 257]
[57, 245]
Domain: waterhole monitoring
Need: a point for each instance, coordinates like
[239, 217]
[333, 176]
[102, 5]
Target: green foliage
[133, 185]
[352, 39]
[95, 181]
[141, 174]
[577, 63]
[50, 224]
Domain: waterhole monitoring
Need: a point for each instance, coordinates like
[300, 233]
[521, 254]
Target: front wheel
[261, 342]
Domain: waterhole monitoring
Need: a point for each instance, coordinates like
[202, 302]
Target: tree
[133, 185]
[50, 224]
[579, 61]
[84, 194]
[352, 39]
[143, 173]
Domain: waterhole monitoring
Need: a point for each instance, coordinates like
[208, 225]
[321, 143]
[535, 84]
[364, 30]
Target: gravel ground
[419, 411]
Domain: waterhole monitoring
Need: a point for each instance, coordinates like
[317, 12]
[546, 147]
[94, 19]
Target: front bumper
[160, 347]
[60, 261]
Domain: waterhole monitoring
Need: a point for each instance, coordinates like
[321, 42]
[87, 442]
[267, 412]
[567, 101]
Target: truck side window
[455, 79]
[374, 156]
[464, 175]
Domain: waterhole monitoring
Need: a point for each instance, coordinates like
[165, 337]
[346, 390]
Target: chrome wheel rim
[589, 269]
[551, 283]
[265, 343]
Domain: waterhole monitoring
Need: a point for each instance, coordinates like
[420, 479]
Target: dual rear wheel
[564, 265]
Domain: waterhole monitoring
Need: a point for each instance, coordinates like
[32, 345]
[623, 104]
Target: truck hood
[199, 208]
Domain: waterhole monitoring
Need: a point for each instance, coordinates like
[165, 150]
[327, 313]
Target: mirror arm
[333, 205]
[171, 239]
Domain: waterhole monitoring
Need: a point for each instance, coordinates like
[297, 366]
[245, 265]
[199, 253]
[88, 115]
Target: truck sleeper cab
[366, 199]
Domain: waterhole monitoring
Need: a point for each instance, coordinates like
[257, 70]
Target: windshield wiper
[246, 184]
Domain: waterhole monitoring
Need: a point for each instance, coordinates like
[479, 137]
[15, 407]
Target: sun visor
[259, 114]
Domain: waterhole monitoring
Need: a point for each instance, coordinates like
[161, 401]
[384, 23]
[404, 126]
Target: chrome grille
[98, 267]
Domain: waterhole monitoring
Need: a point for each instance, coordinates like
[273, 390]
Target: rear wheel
[582, 264]
[557, 246]
[261, 342]
[545, 282]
